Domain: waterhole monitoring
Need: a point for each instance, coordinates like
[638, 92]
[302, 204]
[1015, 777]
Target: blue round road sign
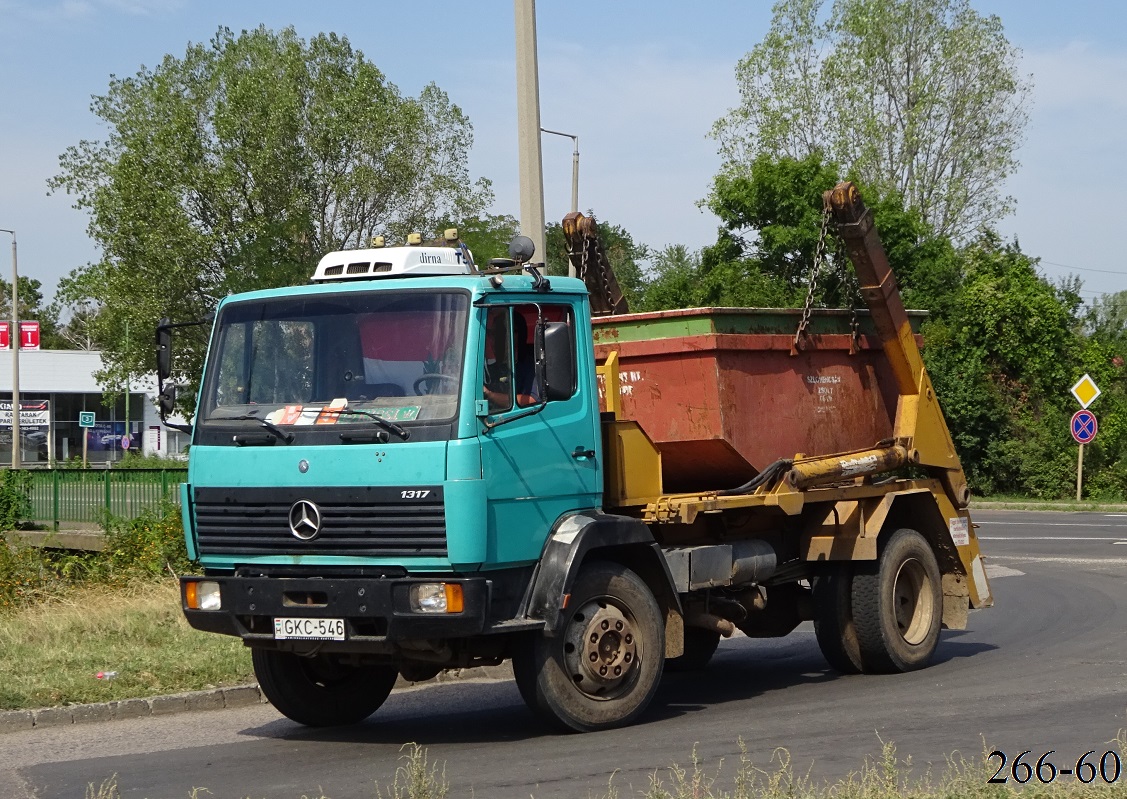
[1084, 426]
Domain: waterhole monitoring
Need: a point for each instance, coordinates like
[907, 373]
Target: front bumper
[376, 611]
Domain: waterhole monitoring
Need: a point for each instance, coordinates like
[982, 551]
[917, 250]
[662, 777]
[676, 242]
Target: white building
[55, 387]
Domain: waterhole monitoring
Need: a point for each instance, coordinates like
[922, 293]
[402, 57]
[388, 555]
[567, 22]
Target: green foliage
[1002, 362]
[15, 498]
[487, 236]
[920, 98]
[1106, 319]
[772, 215]
[147, 546]
[235, 167]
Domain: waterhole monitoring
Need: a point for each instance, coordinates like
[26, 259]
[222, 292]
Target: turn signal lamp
[437, 598]
[202, 595]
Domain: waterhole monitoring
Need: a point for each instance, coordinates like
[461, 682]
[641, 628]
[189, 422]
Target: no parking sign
[1084, 426]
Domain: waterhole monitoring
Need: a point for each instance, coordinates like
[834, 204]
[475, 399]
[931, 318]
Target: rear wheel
[321, 691]
[833, 619]
[898, 605]
[700, 646]
[603, 667]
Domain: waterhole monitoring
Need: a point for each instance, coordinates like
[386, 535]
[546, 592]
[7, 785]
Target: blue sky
[640, 83]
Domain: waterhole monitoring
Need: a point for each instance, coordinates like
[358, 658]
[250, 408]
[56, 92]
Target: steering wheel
[428, 378]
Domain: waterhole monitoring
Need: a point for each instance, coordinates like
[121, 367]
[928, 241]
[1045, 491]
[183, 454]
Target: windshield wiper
[386, 424]
[250, 417]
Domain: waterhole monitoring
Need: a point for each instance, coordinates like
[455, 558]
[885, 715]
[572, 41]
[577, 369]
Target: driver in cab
[508, 366]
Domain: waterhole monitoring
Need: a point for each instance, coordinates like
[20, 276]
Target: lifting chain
[819, 259]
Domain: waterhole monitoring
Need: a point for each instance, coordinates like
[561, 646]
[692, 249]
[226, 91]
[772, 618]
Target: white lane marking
[1048, 538]
[993, 570]
[1116, 515]
[1072, 561]
[1047, 524]
[1113, 543]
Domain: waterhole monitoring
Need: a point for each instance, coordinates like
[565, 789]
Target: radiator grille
[362, 522]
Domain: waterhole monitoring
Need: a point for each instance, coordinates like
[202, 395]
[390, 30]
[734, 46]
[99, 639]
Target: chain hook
[815, 268]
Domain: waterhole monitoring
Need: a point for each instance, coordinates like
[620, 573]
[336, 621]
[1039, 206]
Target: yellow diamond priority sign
[1085, 391]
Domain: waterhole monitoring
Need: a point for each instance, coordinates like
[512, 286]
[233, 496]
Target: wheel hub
[912, 602]
[601, 649]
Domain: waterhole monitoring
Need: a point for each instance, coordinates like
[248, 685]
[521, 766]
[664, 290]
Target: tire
[898, 605]
[833, 619]
[320, 691]
[601, 670]
[700, 646]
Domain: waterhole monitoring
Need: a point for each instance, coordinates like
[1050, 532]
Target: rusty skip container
[720, 393]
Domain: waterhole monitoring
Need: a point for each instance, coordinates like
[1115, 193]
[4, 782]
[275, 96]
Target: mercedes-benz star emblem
[305, 520]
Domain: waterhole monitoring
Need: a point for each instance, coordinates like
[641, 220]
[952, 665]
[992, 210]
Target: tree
[487, 236]
[1002, 364]
[1107, 319]
[236, 166]
[918, 98]
[772, 216]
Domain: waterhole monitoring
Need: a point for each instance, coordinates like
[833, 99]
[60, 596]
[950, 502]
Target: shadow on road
[476, 712]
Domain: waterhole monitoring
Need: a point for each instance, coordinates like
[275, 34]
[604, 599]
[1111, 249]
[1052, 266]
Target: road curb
[191, 701]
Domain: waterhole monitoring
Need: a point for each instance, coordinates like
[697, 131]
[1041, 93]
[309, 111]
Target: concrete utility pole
[528, 127]
[14, 340]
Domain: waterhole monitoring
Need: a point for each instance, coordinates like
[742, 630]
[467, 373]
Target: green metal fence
[83, 496]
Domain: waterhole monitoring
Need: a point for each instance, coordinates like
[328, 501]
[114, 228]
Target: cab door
[539, 461]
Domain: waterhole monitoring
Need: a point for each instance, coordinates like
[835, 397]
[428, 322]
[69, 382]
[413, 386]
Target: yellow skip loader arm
[919, 427]
[919, 431]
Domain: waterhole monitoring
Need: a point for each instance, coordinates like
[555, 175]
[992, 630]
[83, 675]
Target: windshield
[314, 360]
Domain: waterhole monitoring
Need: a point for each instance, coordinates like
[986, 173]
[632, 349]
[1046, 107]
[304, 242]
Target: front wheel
[602, 669]
[321, 691]
[898, 605]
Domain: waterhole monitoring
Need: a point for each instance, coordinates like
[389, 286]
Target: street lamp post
[574, 166]
[14, 341]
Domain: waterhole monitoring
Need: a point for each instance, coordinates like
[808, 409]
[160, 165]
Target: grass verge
[51, 651]
[884, 776]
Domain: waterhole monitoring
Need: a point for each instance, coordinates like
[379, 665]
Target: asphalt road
[1045, 669]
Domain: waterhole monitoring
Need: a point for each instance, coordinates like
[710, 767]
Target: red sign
[29, 335]
[1084, 426]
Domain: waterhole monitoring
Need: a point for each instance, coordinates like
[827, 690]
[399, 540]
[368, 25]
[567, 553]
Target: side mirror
[555, 357]
[164, 348]
[166, 400]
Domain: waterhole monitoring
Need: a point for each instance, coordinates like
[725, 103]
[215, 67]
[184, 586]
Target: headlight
[436, 598]
[202, 595]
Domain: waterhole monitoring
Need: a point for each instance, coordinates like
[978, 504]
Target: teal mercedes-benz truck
[412, 464]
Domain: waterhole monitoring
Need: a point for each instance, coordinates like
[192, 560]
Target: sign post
[85, 422]
[1083, 424]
